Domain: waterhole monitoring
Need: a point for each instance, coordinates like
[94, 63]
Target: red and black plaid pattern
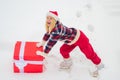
[60, 32]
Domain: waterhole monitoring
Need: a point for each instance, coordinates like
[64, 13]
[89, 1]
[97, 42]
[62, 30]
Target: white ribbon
[21, 63]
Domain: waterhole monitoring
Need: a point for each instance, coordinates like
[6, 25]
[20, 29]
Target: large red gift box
[25, 58]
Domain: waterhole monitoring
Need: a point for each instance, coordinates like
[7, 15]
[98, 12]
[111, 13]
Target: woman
[56, 31]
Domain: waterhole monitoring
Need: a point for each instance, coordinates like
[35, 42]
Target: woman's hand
[42, 54]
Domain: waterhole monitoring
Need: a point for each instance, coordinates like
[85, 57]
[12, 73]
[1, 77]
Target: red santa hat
[53, 14]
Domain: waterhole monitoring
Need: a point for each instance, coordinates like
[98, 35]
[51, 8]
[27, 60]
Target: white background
[23, 20]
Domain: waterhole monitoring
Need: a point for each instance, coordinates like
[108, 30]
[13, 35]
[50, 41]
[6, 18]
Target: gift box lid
[27, 51]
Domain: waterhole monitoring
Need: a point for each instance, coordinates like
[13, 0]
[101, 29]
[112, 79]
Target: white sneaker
[96, 72]
[100, 66]
[66, 64]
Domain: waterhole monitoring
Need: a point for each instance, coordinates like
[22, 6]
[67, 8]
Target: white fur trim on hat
[53, 15]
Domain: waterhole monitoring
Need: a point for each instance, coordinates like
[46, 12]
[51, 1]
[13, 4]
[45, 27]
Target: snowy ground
[23, 20]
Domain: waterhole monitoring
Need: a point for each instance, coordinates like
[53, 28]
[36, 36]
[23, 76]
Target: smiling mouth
[48, 23]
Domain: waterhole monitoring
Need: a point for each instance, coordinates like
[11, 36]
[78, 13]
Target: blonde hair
[50, 28]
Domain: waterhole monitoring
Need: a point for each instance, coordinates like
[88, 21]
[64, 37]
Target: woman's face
[50, 21]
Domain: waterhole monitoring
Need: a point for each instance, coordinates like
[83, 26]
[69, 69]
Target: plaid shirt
[61, 33]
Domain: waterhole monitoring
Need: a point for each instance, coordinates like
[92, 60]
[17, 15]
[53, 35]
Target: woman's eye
[50, 18]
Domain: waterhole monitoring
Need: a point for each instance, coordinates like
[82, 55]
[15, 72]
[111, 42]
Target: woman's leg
[87, 49]
[65, 52]
[66, 49]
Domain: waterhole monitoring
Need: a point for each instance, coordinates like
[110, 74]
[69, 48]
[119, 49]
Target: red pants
[85, 47]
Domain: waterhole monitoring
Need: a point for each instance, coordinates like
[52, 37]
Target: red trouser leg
[87, 48]
[66, 49]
